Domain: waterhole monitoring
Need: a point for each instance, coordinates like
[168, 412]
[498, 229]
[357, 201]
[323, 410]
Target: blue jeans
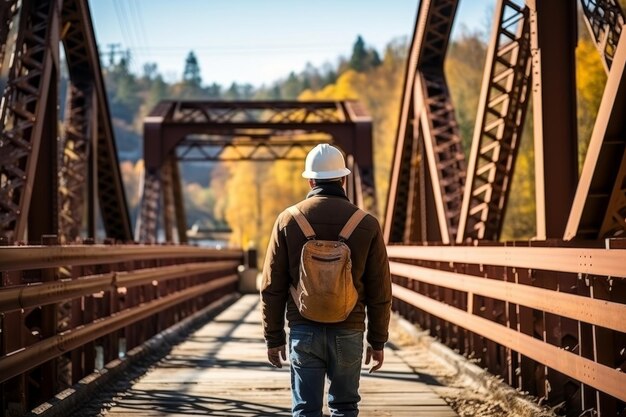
[316, 351]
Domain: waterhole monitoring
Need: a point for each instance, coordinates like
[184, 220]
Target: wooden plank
[222, 369]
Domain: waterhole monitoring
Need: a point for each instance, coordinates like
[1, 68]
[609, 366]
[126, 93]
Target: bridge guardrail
[62, 308]
[547, 317]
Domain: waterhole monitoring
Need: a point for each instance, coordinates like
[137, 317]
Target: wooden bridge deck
[221, 370]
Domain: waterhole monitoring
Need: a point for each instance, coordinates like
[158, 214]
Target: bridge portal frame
[245, 131]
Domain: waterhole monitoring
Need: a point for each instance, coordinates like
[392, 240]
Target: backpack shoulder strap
[351, 224]
[304, 224]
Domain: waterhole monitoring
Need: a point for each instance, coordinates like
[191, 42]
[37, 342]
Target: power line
[123, 24]
[136, 7]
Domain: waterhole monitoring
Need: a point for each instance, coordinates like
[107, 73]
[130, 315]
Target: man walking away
[327, 343]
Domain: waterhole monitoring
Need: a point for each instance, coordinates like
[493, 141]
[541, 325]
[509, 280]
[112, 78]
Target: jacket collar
[333, 189]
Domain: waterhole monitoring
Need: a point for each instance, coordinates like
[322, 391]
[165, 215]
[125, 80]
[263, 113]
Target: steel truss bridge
[546, 315]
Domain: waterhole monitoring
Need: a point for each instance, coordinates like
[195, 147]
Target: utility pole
[114, 49]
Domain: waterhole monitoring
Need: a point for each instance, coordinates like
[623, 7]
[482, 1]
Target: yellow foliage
[380, 91]
[590, 81]
[132, 176]
[255, 193]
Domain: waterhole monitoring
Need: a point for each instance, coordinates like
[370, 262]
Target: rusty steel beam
[599, 208]
[148, 220]
[84, 63]
[500, 120]
[168, 202]
[442, 143]
[249, 148]
[9, 15]
[597, 375]
[23, 112]
[179, 202]
[590, 310]
[443, 151]
[29, 296]
[604, 19]
[244, 131]
[427, 122]
[74, 172]
[584, 261]
[404, 207]
[52, 347]
[553, 43]
[36, 257]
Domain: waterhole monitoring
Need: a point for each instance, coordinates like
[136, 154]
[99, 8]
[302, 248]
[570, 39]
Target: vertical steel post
[553, 44]
[179, 201]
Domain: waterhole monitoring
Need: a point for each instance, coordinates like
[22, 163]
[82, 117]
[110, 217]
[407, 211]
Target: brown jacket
[327, 209]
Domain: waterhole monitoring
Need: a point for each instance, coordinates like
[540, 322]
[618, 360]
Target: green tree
[232, 93]
[291, 87]
[191, 74]
[363, 59]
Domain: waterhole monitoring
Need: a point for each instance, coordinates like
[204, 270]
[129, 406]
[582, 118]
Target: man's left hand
[274, 354]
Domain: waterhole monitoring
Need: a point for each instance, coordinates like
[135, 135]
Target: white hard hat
[324, 162]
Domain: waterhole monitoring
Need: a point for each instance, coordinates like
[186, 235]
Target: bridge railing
[548, 317]
[67, 310]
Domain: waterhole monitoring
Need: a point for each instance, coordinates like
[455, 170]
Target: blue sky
[256, 41]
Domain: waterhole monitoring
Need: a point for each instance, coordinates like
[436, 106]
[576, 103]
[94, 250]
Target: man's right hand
[274, 355]
[377, 355]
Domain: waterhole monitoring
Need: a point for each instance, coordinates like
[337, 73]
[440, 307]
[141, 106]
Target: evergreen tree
[191, 75]
[363, 59]
[233, 92]
[292, 87]
[214, 91]
[359, 55]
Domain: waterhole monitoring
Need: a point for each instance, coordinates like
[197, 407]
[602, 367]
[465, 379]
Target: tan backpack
[325, 292]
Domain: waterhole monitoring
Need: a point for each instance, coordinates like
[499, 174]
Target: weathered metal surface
[594, 311]
[427, 125]
[553, 36]
[605, 20]
[243, 131]
[599, 207]
[24, 106]
[28, 296]
[222, 369]
[121, 296]
[607, 379]
[51, 347]
[31, 257]
[531, 315]
[501, 116]
[84, 66]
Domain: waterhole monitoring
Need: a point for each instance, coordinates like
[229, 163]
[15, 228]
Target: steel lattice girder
[599, 208]
[8, 21]
[502, 112]
[84, 68]
[427, 113]
[605, 20]
[252, 131]
[22, 115]
[73, 176]
[147, 222]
